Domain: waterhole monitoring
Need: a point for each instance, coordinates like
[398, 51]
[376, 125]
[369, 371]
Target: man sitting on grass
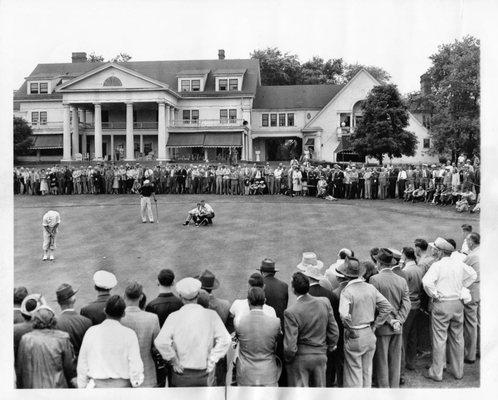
[203, 214]
[418, 194]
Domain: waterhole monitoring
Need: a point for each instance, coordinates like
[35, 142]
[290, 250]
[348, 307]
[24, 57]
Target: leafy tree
[23, 136]
[92, 57]
[121, 57]
[317, 71]
[381, 130]
[350, 70]
[455, 97]
[277, 68]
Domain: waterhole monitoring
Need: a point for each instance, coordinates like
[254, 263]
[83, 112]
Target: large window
[185, 85]
[273, 119]
[38, 87]
[427, 143]
[223, 116]
[190, 116]
[223, 84]
[33, 88]
[43, 118]
[290, 119]
[35, 115]
[264, 119]
[196, 85]
[232, 115]
[233, 84]
[43, 87]
[281, 119]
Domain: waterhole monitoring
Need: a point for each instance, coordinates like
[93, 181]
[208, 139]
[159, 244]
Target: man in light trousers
[146, 191]
[471, 310]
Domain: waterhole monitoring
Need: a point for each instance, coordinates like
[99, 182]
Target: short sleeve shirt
[51, 218]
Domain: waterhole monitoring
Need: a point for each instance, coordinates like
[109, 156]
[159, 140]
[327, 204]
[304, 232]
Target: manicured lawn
[106, 232]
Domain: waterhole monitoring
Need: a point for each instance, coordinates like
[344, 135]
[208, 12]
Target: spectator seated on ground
[446, 196]
[429, 195]
[418, 194]
[456, 194]
[437, 195]
[321, 187]
[202, 214]
[407, 196]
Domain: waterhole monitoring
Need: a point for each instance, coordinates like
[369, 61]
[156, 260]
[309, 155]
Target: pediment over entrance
[112, 77]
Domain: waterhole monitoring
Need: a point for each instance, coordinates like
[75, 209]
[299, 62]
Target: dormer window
[38, 87]
[232, 84]
[190, 85]
[222, 84]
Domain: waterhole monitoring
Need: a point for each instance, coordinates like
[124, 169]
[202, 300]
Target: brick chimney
[221, 54]
[78, 57]
[425, 84]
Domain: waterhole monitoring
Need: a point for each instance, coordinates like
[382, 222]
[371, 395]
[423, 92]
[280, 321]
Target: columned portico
[130, 146]
[66, 134]
[75, 135]
[98, 131]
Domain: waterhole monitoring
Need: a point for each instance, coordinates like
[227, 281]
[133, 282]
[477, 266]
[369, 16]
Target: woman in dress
[296, 181]
[115, 181]
[43, 182]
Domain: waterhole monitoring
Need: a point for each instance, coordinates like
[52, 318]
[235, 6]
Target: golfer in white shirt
[50, 222]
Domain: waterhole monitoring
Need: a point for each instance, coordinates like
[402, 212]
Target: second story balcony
[208, 124]
[121, 125]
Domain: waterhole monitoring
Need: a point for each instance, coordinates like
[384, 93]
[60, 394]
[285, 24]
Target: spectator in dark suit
[163, 305]
[310, 332]
[19, 295]
[257, 334]
[222, 307]
[69, 320]
[277, 296]
[103, 281]
[387, 358]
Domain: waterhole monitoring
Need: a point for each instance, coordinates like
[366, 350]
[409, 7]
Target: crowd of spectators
[354, 324]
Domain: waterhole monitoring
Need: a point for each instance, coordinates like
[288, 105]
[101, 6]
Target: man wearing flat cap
[444, 282]
[387, 358]
[103, 281]
[192, 339]
[359, 302]
[69, 320]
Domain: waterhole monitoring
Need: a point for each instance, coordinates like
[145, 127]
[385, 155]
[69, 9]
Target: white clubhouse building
[192, 110]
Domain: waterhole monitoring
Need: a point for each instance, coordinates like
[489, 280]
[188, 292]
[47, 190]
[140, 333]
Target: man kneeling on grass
[203, 214]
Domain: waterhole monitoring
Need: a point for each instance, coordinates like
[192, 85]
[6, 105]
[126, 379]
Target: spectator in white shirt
[110, 354]
[401, 182]
[192, 339]
[444, 282]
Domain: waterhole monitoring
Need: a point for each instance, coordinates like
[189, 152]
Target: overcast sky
[396, 35]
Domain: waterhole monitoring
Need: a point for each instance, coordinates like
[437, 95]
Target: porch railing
[194, 123]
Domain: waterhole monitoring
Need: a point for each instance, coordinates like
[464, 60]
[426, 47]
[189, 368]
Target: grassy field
[105, 232]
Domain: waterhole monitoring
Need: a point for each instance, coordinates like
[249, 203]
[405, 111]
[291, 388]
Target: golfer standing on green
[146, 191]
[50, 222]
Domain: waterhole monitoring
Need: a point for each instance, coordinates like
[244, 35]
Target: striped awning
[215, 139]
[185, 140]
[47, 142]
[223, 140]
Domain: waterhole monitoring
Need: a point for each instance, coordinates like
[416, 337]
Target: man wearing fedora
[192, 339]
[363, 309]
[103, 281]
[69, 320]
[444, 283]
[277, 296]
[209, 282]
[310, 333]
[387, 358]
[312, 268]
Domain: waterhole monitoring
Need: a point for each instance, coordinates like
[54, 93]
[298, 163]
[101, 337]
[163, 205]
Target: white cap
[396, 253]
[188, 288]
[442, 244]
[104, 279]
[146, 182]
[348, 252]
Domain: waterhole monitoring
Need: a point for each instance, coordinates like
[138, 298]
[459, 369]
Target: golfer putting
[50, 222]
[203, 214]
[146, 191]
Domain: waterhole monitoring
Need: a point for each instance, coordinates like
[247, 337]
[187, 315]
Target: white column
[318, 146]
[206, 154]
[130, 147]
[98, 131]
[162, 109]
[112, 146]
[83, 134]
[76, 132]
[249, 147]
[166, 133]
[141, 146]
[66, 134]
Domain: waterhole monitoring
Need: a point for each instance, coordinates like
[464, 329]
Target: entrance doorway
[283, 149]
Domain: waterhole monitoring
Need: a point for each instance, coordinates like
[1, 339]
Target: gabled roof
[294, 96]
[161, 71]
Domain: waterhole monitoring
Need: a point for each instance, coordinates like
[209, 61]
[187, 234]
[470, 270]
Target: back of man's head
[133, 291]
[475, 238]
[166, 277]
[409, 253]
[19, 294]
[256, 296]
[421, 244]
[373, 253]
[452, 242]
[300, 283]
[467, 228]
[346, 253]
[115, 307]
[256, 280]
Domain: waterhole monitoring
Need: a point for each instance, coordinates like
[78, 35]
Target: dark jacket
[310, 327]
[221, 306]
[163, 305]
[75, 325]
[277, 295]
[95, 310]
